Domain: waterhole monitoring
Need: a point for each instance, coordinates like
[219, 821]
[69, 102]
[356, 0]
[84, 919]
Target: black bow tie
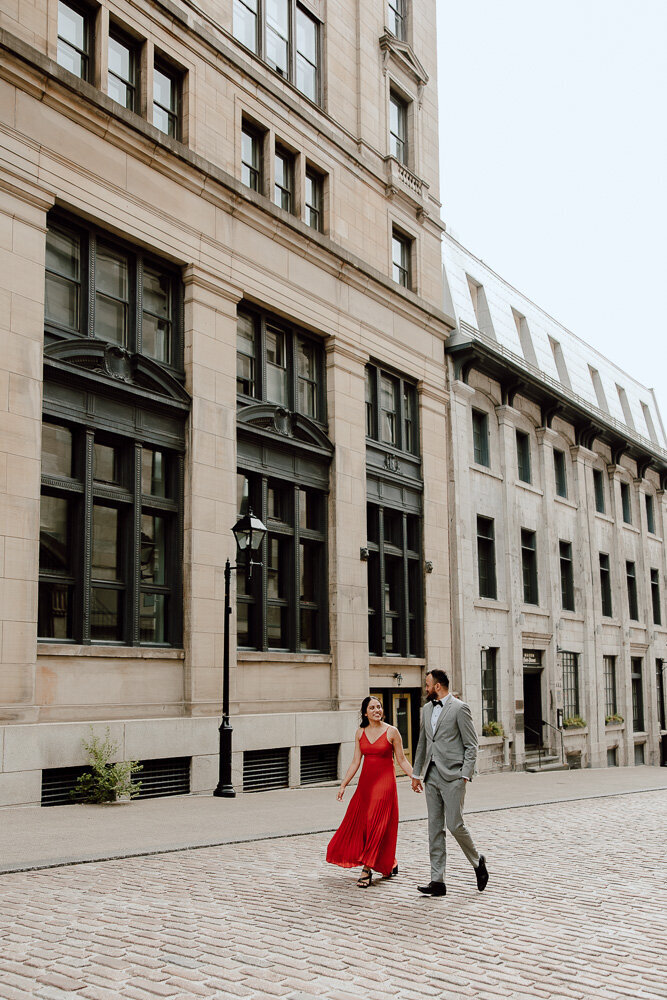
[437, 703]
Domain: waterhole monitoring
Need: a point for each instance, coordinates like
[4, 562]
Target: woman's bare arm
[399, 753]
[353, 768]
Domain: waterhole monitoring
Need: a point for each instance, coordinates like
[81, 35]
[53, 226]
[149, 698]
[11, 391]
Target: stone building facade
[221, 260]
[558, 514]
[222, 285]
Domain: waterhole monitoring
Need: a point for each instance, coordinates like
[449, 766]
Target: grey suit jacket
[452, 748]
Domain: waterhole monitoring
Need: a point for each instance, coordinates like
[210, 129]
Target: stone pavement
[574, 909]
[36, 837]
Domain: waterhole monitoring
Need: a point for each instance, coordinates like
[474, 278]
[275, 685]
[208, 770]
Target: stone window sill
[566, 502]
[528, 487]
[489, 604]
[484, 470]
[257, 656]
[112, 652]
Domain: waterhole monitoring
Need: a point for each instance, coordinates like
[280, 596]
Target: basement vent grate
[168, 776]
[265, 769]
[319, 763]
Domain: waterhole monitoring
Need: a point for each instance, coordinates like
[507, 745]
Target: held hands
[417, 785]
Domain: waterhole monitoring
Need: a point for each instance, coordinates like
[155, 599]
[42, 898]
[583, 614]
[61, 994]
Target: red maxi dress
[367, 836]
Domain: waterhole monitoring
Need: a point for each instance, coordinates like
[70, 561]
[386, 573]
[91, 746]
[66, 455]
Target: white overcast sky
[553, 138]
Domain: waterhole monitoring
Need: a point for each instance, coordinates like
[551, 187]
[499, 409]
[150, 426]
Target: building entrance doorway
[401, 709]
[532, 708]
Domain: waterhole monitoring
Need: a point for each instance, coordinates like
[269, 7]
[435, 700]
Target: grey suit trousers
[444, 801]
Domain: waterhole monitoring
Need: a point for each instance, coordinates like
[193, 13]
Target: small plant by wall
[574, 722]
[613, 720]
[493, 728]
[106, 781]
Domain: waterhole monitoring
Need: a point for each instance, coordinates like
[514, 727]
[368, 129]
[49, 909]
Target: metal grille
[265, 769]
[58, 782]
[319, 763]
[168, 776]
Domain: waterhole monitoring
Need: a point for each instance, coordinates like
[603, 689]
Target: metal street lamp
[249, 533]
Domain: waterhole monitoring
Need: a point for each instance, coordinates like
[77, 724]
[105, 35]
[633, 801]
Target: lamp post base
[225, 792]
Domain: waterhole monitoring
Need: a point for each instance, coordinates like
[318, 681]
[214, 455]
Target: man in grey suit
[444, 763]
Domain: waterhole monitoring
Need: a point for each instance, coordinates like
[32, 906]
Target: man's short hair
[440, 677]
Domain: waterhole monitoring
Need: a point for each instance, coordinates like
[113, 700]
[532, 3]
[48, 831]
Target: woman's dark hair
[364, 707]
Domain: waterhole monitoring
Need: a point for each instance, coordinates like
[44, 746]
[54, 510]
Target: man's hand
[417, 785]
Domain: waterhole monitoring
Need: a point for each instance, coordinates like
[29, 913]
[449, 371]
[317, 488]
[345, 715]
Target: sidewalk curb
[280, 835]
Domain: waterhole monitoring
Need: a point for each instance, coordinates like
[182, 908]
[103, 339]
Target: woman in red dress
[367, 835]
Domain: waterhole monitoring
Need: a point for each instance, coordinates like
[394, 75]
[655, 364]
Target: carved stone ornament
[283, 422]
[118, 363]
[391, 463]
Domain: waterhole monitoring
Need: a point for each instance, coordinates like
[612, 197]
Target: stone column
[586, 571]
[510, 559]
[23, 209]
[210, 484]
[620, 608]
[462, 554]
[348, 575]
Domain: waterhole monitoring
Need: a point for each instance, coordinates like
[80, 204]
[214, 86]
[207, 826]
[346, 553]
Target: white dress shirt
[437, 709]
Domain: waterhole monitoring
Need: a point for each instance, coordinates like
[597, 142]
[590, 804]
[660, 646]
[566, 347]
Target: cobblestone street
[574, 908]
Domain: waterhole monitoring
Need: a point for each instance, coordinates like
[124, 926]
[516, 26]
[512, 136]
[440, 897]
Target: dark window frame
[401, 268]
[313, 199]
[610, 687]
[626, 503]
[255, 168]
[403, 556]
[291, 537]
[264, 322]
[85, 495]
[560, 473]
[406, 422]
[486, 558]
[529, 567]
[523, 457]
[175, 112]
[489, 680]
[598, 489]
[86, 54]
[605, 586]
[631, 582]
[133, 83]
[397, 17]
[655, 596]
[570, 667]
[90, 238]
[480, 437]
[650, 514]
[399, 145]
[636, 681]
[261, 46]
[566, 576]
[284, 195]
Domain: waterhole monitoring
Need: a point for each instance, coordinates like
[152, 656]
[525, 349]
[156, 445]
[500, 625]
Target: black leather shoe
[433, 889]
[481, 874]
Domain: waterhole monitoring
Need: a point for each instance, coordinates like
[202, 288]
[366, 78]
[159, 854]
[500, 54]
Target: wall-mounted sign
[532, 657]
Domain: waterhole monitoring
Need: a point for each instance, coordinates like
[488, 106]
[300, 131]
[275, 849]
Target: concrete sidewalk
[41, 838]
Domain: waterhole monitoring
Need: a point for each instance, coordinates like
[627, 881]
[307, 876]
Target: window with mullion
[251, 157]
[313, 200]
[610, 685]
[391, 410]
[650, 515]
[396, 18]
[277, 364]
[655, 596]
[566, 576]
[283, 606]
[570, 664]
[631, 580]
[560, 473]
[529, 566]
[398, 128]
[480, 437]
[74, 39]
[123, 69]
[395, 598]
[523, 456]
[166, 99]
[598, 489]
[109, 551]
[605, 585]
[636, 664]
[401, 259]
[98, 288]
[486, 558]
[489, 687]
[283, 195]
[286, 36]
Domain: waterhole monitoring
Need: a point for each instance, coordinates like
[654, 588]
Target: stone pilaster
[210, 483]
[23, 209]
[348, 583]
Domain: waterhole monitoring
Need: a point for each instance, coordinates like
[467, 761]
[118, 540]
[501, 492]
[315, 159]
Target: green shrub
[615, 718]
[574, 722]
[106, 781]
[493, 728]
